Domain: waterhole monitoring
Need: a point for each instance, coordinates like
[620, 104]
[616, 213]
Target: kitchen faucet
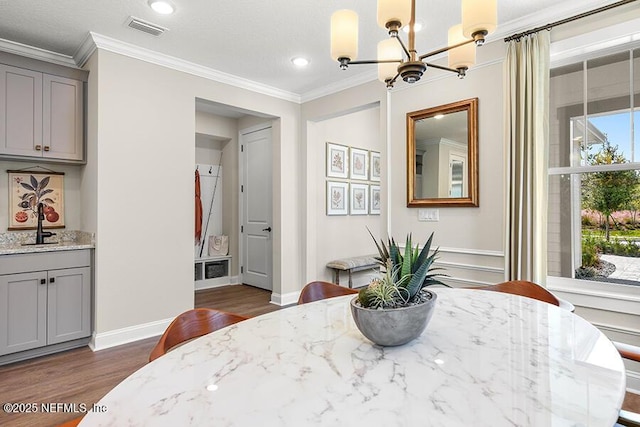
[40, 235]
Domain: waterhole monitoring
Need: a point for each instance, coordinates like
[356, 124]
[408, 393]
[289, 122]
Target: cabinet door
[69, 304]
[20, 111]
[62, 118]
[23, 312]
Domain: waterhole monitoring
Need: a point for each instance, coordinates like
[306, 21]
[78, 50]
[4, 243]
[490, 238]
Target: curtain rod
[566, 20]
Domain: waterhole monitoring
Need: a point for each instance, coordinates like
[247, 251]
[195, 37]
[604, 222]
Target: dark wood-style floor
[82, 376]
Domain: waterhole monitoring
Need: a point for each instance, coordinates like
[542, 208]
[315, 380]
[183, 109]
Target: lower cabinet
[46, 307]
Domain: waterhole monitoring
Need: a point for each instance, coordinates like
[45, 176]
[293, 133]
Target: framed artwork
[374, 165]
[374, 199]
[359, 164]
[359, 199]
[27, 190]
[337, 198]
[337, 160]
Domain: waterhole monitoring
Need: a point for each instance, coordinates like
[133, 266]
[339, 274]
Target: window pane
[594, 226]
[566, 101]
[609, 108]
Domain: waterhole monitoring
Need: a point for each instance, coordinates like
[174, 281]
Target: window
[594, 170]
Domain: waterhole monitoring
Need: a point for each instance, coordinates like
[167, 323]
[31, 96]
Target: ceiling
[254, 39]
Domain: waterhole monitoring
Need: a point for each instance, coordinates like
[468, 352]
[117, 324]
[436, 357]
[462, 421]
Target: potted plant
[395, 307]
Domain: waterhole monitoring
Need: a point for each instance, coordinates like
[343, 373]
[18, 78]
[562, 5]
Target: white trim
[618, 330]
[127, 335]
[285, 299]
[466, 251]
[465, 282]
[566, 170]
[37, 53]
[142, 54]
[218, 282]
[602, 296]
[612, 39]
[348, 83]
[449, 264]
[633, 382]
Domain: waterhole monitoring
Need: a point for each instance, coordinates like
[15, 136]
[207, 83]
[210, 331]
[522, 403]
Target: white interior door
[256, 267]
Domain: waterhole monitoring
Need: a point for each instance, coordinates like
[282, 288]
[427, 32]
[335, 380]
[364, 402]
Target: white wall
[144, 227]
[354, 117]
[471, 239]
[342, 236]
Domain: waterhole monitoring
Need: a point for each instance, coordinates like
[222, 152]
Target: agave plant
[405, 274]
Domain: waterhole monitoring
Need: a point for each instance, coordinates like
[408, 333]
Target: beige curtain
[527, 129]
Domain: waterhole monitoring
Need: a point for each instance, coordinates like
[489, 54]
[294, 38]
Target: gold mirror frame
[471, 196]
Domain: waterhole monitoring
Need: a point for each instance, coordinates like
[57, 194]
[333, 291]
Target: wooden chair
[72, 423]
[630, 352]
[316, 291]
[523, 288]
[192, 324]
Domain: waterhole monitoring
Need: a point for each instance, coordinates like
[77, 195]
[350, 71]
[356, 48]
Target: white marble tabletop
[485, 359]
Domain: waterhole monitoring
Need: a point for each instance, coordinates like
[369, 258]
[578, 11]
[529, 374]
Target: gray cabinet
[41, 115]
[48, 306]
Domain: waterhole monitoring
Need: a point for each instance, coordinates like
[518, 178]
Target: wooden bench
[351, 265]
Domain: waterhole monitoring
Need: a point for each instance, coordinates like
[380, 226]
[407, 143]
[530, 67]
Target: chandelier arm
[406, 51]
[445, 49]
[440, 67]
[375, 61]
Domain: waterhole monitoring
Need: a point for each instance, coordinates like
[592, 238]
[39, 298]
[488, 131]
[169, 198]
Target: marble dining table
[485, 359]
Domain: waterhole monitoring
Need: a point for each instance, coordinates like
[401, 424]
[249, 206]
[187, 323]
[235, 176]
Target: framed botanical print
[359, 199]
[359, 164]
[337, 161]
[27, 190]
[337, 198]
[374, 166]
[374, 199]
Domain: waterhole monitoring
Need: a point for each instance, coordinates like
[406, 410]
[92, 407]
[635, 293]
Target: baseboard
[211, 283]
[633, 382]
[117, 337]
[285, 299]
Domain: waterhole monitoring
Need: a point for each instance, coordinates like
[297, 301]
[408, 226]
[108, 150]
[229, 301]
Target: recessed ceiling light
[161, 6]
[299, 61]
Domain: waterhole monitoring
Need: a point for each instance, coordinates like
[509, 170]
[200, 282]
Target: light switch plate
[428, 215]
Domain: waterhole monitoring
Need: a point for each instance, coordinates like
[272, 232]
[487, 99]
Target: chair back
[72, 423]
[192, 324]
[316, 291]
[523, 288]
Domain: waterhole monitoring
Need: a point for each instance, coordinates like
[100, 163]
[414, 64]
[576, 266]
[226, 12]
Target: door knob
[267, 229]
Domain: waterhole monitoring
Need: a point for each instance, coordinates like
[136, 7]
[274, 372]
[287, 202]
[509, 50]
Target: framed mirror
[442, 155]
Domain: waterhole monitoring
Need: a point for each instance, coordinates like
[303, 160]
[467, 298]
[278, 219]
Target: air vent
[145, 26]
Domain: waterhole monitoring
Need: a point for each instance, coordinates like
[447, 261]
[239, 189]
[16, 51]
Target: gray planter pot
[397, 326]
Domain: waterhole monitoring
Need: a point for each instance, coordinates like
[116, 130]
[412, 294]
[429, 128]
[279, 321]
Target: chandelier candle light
[395, 59]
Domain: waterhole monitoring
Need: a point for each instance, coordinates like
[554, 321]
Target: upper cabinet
[41, 116]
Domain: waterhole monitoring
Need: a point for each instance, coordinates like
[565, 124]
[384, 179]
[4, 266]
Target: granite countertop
[64, 240]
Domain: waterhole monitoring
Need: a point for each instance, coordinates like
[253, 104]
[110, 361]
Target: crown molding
[37, 53]
[336, 87]
[116, 46]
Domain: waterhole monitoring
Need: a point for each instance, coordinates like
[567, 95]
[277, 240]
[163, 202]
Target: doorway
[256, 228]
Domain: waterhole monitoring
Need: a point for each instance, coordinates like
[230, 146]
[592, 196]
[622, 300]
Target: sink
[37, 244]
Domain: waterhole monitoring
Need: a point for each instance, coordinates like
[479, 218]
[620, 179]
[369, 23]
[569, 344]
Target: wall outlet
[428, 215]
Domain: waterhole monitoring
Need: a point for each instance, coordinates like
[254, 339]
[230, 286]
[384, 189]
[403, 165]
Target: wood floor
[83, 377]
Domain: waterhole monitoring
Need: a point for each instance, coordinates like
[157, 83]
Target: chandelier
[395, 58]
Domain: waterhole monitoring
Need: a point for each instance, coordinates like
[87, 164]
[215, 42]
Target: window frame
[619, 298]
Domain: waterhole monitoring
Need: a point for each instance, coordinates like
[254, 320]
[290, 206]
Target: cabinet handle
[52, 279]
[38, 147]
[46, 148]
[43, 281]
